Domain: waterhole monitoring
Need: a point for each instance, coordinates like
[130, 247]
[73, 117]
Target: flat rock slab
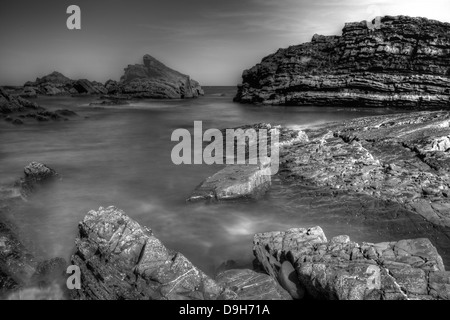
[344, 270]
[251, 285]
[234, 182]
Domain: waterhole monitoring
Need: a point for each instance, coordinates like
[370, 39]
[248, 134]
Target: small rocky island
[152, 79]
[404, 62]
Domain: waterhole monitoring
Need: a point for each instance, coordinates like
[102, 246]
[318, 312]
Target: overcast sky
[213, 41]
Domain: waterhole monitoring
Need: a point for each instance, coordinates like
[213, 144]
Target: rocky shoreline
[402, 63]
[120, 259]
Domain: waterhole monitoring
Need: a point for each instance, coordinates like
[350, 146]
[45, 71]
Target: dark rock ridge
[119, 259]
[57, 84]
[403, 63]
[17, 110]
[154, 80]
[340, 269]
[21, 273]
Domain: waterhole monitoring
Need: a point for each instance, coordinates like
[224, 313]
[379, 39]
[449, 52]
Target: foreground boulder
[402, 62]
[344, 270]
[119, 259]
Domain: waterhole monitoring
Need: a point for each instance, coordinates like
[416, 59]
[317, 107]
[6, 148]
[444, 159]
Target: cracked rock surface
[344, 270]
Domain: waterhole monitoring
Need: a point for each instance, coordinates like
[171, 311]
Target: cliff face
[155, 80]
[403, 62]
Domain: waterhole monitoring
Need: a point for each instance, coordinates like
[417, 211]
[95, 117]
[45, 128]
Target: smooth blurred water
[121, 156]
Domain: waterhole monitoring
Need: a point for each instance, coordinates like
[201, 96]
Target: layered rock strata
[402, 62]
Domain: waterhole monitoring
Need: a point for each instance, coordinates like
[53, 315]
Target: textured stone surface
[404, 63]
[250, 285]
[400, 157]
[119, 259]
[345, 270]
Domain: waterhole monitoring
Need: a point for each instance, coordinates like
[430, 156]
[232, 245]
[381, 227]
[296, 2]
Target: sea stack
[392, 62]
[153, 79]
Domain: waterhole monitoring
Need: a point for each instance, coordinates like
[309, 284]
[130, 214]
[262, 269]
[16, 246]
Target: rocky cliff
[402, 62]
[154, 80]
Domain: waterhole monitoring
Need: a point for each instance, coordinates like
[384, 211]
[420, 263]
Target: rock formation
[341, 269]
[154, 80]
[252, 179]
[119, 259]
[402, 63]
[20, 270]
[17, 109]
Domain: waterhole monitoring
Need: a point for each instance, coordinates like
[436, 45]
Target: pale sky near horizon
[212, 41]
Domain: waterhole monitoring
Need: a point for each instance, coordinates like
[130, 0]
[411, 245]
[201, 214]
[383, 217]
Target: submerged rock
[402, 63]
[344, 270]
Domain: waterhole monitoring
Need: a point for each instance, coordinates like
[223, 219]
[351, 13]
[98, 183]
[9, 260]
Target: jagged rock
[250, 285]
[344, 270]
[84, 86]
[155, 80]
[404, 63]
[119, 259]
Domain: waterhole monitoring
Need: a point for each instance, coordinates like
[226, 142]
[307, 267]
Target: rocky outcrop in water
[18, 110]
[340, 269]
[22, 274]
[253, 178]
[153, 79]
[119, 259]
[403, 62]
[56, 84]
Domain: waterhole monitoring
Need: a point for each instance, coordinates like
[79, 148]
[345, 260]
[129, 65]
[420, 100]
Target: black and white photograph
[225, 154]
